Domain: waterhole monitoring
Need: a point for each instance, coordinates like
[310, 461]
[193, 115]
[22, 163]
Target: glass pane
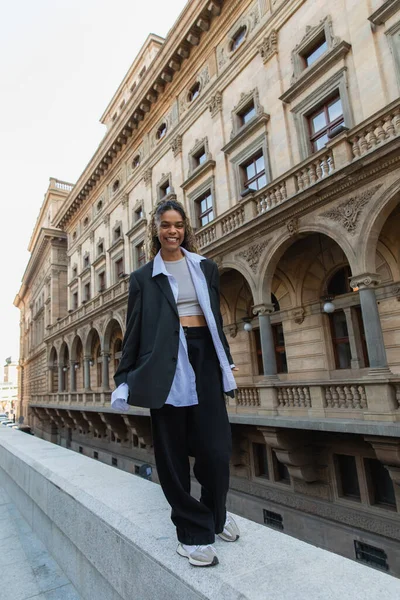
[253, 185]
[321, 142]
[204, 220]
[318, 122]
[202, 158]
[250, 170]
[249, 114]
[209, 201]
[262, 181]
[316, 53]
[348, 475]
[210, 216]
[335, 110]
[260, 164]
[344, 356]
[203, 206]
[340, 325]
[382, 485]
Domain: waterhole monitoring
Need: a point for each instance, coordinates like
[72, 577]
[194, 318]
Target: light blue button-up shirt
[183, 390]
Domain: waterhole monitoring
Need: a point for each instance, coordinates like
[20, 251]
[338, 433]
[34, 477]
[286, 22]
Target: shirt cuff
[233, 366]
[119, 398]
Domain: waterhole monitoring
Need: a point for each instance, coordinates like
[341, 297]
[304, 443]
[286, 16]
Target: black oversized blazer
[151, 341]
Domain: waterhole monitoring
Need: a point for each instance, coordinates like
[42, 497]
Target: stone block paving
[27, 571]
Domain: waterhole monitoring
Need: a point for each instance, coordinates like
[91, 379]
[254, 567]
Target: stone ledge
[111, 533]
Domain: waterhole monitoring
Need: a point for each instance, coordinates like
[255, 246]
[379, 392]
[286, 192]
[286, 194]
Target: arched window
[161, 131]
[339, 283]
[238, 38]
[99, 205]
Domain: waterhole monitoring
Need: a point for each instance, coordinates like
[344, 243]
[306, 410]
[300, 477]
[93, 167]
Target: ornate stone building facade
[276, 123]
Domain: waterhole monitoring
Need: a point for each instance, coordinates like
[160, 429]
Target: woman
[176, 361]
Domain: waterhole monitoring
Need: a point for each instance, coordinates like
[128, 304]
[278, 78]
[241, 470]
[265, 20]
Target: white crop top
[188, 304]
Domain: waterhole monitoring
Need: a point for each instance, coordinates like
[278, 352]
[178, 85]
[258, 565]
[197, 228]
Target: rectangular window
[165, 189]
[80, 450]
[102, 281]
[119, 268]
[312, 53]
[75, 300]
[96, 455]
[281, 471]
[200, 157]
[254, 172]
[247, 114]
[323, 120]
[340, 340]
[100, 249]
[140, 251]
[205, 208]
[114, 461]
[86, 262]
[260, 459]
[86, 291]
[74, 272]
[273, 519]
[117, 233]
[380, 483]
[347, 474]
[374, 557]
[139, 214]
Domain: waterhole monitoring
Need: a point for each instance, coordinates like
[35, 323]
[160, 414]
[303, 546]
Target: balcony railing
[374, 133]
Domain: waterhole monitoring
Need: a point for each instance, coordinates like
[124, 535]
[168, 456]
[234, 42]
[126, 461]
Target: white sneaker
[231, 531]
[199, 556]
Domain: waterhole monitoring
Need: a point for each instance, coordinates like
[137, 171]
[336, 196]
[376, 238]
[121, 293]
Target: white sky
[60, 63]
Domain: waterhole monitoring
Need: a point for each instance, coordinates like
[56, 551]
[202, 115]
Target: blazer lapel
[163, 283]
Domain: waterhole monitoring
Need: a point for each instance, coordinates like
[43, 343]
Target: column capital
[263, 309]
[365, 280]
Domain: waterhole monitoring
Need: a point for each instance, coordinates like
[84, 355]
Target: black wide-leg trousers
[202, 431]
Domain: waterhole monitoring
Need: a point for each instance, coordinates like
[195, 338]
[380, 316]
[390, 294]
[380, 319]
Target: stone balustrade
[376, 132]
[271, 197]
[345, 396]
[290, 396]
[248, 396]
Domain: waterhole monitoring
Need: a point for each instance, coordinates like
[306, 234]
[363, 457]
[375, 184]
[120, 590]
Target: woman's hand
[235, 369]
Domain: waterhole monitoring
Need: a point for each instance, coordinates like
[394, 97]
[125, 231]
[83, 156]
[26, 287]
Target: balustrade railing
[376, 133]
[248, 396]
[232, 221]
[292, 396]
[345, 396]
[317, 169]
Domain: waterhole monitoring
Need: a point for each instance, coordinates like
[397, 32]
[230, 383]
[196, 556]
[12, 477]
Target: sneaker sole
[226, 539]
[194, 562]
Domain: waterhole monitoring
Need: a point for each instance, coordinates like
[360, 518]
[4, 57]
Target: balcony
[351, 150]
[111, 533]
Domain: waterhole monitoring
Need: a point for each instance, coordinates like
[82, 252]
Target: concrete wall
[111, 534]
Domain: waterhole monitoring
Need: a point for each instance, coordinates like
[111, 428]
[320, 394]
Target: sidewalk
[26, 568]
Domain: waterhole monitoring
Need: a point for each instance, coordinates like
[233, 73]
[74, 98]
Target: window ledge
[101, 258]
[85, 272]
[312, 73]
[206, 166]
[141, 223]
[119, 242]
[245, 131]
[73, 282]
[384, 12]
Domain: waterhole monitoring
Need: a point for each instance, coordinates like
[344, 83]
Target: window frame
[330, 125]
[239, 159]
[258, 175]
[200, 215]
[195, 195]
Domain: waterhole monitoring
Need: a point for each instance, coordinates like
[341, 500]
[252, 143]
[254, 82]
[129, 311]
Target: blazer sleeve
[215, 285]
[131, 341]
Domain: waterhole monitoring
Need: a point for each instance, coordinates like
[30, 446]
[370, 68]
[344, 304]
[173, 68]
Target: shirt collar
[159, 265]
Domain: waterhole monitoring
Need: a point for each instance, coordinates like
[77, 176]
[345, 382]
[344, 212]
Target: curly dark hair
[189, 241]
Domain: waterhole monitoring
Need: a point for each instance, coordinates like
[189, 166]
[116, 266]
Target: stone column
[86, 373]
[267, 339]
[372, 325]
[357, 359]
[72, 376]
[106, 381]
[60, 378]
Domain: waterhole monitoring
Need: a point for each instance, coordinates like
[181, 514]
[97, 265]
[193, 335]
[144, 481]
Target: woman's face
[171, 230]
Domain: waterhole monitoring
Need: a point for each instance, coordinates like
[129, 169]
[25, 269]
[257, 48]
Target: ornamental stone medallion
[347, 213]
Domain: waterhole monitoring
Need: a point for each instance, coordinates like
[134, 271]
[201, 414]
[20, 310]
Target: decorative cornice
[347, 213]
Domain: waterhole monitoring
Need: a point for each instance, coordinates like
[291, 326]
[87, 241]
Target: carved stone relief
[215, 104]
[348, 213]
[269, 46]
[252, 254]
